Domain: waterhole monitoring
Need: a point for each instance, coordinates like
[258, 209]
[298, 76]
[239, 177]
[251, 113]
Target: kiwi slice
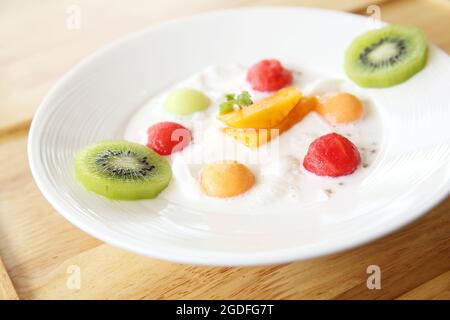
[122, 170]
[387, 56]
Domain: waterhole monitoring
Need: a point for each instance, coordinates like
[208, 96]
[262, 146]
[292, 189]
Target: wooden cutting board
[46, 257]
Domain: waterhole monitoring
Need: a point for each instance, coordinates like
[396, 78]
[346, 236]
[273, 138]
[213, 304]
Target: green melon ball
[185, 101]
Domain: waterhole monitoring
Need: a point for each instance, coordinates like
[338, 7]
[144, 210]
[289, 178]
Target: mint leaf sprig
[241, 100]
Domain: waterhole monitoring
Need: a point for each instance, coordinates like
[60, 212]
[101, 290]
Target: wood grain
[435, 289]
[7, 291]
[39, 248]
[341, 276]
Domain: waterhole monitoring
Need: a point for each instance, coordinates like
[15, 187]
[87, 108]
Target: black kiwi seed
[401, 50]
[140, 166]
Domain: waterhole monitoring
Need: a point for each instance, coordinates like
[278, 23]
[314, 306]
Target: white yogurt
[281, 181]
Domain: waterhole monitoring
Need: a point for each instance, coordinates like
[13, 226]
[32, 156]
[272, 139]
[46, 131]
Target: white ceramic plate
[95, 100]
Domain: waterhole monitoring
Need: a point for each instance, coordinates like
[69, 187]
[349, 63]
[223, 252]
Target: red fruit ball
[332, 155]
[268, 75]
[168, 137]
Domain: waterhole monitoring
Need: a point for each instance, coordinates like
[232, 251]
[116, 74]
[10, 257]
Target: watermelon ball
[166, 138]
[332, 155]
[268, 75]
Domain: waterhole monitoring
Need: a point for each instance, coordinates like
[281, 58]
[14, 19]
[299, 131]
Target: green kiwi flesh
[122, 170]
[387, 56]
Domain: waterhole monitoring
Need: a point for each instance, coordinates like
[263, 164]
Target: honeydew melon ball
[185, 101]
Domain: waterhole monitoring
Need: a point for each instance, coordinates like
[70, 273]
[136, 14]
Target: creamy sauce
[281, 181]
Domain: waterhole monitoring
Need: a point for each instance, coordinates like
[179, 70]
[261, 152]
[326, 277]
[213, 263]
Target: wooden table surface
[45, 256]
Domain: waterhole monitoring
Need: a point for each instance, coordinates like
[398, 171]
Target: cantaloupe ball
[340, 107]
[225, 179]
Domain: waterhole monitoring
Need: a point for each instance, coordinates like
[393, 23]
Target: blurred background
[40, 41]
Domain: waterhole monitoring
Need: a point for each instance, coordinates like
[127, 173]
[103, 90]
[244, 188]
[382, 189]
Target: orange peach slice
[227, 178]
[254, 138]
[265, 113]
[340, 107]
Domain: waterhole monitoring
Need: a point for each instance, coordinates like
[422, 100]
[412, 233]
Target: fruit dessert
[265, 146]
[386, 57]
[332, 155]
[122, 170]
[265, 135]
